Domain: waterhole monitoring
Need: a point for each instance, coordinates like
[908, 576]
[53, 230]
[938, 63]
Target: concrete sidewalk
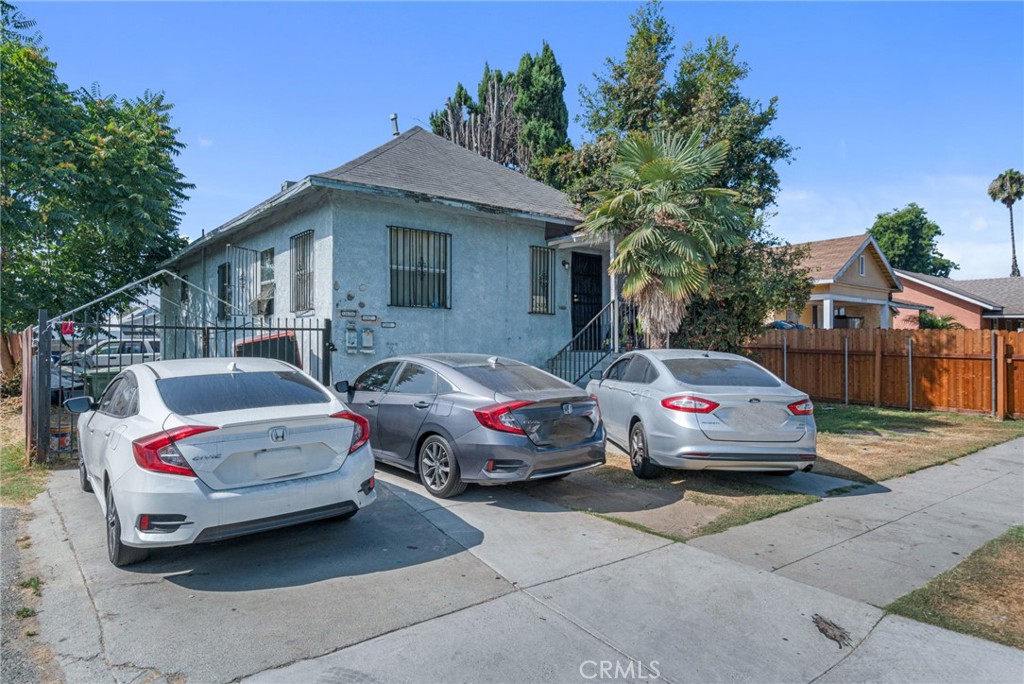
[877, 544]
[495, 586]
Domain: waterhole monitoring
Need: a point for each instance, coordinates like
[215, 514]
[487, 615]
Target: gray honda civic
[456, 419]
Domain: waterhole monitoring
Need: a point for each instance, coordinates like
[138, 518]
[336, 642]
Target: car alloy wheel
[119, 554]
[83, 475]
[639, 460]
[438, 469]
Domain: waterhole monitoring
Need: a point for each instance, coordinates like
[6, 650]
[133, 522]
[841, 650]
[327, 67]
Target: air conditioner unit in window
[263, 305]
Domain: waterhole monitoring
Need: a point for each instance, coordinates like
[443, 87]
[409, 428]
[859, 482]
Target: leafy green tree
[929, 321]
[670, 224]
[1008, 187]
[540, 103]
[517, 116]
[907, 238]
[91, 196]
[706, 96]
[759, 276]
[628, 97]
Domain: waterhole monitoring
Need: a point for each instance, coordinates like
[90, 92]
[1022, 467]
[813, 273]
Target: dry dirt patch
[678, 504]
[980, 596]
[866, 444]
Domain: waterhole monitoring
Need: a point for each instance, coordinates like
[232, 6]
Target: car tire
[438, 469]
[83, 475]
[119, 553]
[639, 459]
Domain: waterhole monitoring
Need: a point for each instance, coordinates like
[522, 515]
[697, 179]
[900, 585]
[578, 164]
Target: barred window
[302, 271]
[542, 280]
[420, 267]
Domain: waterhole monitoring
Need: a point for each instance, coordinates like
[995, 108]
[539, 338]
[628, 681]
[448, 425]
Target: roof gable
[421, 163]
[827, 260]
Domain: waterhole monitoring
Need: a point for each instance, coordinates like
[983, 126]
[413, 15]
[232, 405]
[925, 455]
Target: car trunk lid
[243, 452]
[746, 417]
[559, 421]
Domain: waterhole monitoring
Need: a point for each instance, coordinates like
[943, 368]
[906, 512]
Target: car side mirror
[80, 404]
[341, 387]
[596, 375]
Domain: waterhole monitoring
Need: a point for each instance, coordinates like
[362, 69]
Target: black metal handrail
[587, 348]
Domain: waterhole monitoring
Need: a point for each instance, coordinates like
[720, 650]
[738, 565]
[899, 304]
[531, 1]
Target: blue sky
[887, 103]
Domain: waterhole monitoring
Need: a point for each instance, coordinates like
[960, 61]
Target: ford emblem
[278, 434]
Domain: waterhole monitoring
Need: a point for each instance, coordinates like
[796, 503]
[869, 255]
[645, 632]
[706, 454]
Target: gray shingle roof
[999, 293]
[422, 163]
[954, 286]
[1007, 292]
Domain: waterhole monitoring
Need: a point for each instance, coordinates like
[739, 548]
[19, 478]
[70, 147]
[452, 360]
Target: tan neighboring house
[985, 304]
[852, 285]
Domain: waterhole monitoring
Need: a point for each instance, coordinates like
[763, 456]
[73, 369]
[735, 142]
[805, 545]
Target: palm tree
[929, 321]
[671, 224]
[1008, 187]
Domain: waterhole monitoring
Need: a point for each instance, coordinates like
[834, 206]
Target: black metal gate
[82, 353]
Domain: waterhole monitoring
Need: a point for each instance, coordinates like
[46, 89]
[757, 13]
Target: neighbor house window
[223, 290]
[184, 290]
[861, 264]
[264, 304]
[421, 262]
[542, 280]
[302, 271]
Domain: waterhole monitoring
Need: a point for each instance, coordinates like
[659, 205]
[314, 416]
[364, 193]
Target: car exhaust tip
[808, 468]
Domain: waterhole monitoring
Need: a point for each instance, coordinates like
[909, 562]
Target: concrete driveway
[494, 586]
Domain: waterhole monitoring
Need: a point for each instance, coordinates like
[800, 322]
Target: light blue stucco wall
[490, 275]
[201, 269]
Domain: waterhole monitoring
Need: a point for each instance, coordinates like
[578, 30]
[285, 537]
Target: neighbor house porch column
[828, 317]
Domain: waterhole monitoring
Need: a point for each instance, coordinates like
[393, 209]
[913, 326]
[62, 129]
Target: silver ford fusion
[460, 418]
[697, 410]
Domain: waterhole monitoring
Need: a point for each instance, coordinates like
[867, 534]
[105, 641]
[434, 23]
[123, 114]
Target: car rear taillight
[688, 403]
[804, 407]
[360, 430]
[159, 454]
[499, 417]
[597, 406]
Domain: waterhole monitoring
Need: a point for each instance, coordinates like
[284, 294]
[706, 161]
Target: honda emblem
[278, 434]
[567, 409]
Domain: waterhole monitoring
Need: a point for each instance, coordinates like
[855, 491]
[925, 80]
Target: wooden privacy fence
[969, 371]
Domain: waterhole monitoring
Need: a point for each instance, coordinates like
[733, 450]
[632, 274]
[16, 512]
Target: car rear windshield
[196, 394]
[512, 378]
[720, 373]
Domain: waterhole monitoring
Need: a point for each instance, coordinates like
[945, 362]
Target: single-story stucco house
[852, 285]
[981, 304]
[416, 246]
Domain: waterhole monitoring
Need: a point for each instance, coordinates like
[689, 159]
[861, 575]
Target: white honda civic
[200, 450]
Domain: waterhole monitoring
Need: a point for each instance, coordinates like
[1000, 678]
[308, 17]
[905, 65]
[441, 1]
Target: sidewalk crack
[852, 650]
